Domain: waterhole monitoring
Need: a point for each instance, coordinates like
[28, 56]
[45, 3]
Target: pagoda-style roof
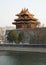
[24, 11]
[21, 22]
[24, 17]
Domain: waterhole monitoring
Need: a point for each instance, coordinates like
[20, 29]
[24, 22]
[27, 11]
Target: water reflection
[22, 58]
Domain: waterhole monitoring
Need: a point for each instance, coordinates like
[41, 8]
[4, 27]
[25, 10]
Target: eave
[28, 19]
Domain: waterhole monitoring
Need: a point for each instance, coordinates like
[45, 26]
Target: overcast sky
[8, 9]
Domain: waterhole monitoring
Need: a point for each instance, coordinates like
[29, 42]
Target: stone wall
[33, 36]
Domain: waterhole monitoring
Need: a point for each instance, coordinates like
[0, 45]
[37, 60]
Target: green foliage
[12, 36]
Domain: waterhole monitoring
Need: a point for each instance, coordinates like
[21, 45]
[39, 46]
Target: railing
[21, 48]
[24, 45]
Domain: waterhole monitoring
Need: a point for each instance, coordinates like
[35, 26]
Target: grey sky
[8, 9]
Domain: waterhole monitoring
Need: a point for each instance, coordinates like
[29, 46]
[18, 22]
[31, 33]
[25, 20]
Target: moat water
[22, 58]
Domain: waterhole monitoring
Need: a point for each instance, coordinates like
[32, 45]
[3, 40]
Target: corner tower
[25, 20]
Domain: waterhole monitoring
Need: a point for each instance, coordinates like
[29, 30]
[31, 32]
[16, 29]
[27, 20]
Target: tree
[21, 37]
[12, 36]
